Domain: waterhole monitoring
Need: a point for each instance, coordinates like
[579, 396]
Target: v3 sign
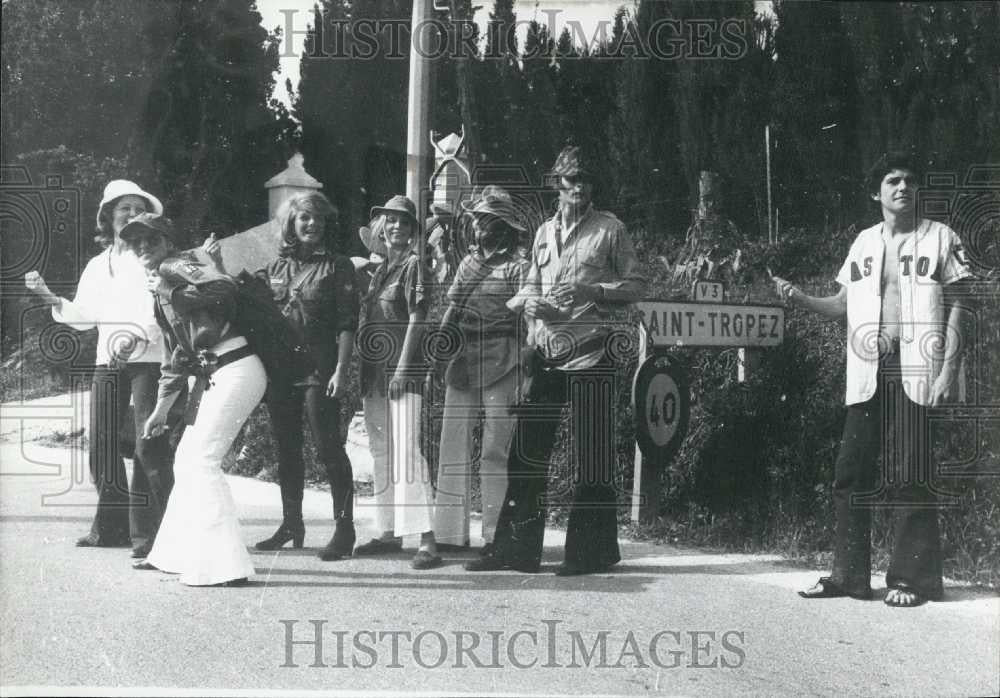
[713, 324]
[708, 291]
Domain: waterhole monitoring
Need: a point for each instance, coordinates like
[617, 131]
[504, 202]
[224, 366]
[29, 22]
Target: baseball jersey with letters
[930, 258]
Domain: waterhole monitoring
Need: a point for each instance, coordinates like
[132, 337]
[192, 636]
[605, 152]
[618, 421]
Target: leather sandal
[825, 588]
[903, 588]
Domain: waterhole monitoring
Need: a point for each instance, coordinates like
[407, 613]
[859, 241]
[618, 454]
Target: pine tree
[814, 151]
[501, 88]
[73, 75]
[208, 135]
[540, 113]
[353, 110]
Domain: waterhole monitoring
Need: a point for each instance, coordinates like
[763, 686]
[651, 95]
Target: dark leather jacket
[195, 305]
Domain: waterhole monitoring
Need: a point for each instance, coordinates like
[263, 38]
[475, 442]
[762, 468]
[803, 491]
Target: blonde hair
[314, 202]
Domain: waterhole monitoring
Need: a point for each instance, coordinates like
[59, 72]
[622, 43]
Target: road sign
[661, 402]
[713, 324]
[713, 291]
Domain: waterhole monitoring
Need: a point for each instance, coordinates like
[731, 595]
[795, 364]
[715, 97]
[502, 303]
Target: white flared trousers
[200, 537]
[403, 493]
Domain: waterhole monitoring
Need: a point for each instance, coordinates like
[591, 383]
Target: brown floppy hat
[499, 204]
[397, 204]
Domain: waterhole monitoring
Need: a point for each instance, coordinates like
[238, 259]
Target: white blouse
[112, 296]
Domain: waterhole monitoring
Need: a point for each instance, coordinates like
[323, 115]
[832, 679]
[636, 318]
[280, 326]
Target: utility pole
[767, 158]
[418, 165]
[418, 119]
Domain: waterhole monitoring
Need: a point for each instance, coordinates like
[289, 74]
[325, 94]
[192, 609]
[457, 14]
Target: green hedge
[756, 469]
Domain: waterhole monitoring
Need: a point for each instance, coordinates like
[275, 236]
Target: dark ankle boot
[294, 531]
[342, 543]
[292, 527]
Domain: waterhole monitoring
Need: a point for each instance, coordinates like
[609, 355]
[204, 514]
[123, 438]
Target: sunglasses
[141, 240]
[570, 183]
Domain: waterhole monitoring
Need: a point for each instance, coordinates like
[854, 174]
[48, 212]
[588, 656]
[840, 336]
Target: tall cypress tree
[208, 134]
[353, 109]
[815, 98]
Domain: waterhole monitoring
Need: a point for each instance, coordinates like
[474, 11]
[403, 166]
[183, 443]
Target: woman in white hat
[111, 295]
[391, 378]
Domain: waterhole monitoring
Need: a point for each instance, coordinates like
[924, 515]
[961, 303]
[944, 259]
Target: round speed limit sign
[661, 402]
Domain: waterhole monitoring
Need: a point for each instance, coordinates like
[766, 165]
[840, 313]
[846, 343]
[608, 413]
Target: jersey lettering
[906, 259]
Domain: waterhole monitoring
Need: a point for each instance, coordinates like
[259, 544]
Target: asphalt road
[668, 621]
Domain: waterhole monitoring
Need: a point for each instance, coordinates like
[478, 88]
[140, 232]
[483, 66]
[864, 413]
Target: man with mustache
[584, 272]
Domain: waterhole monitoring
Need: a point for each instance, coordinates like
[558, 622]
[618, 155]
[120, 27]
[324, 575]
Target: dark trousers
[592, 533]
[125, 512]
[323, 414]
[891, 429]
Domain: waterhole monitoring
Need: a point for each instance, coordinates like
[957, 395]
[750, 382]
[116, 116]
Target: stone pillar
[291, 181]
[255, 248]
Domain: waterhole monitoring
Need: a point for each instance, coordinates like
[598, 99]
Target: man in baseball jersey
[899, 291]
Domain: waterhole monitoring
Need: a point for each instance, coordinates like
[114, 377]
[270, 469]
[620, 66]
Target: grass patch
[64, 439]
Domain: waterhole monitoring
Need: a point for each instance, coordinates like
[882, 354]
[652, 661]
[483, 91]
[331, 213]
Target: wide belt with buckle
[202, 366]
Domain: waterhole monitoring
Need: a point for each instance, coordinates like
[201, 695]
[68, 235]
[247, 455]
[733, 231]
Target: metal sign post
[661, 403]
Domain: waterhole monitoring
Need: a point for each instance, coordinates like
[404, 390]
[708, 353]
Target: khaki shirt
[491, 332]
[320, 296]
[596, 250]
[392, 297]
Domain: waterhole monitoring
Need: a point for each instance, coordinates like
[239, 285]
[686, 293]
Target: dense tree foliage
[177, 95]
[178, 91]
[209, 133]
[353, 109]
[839, 83]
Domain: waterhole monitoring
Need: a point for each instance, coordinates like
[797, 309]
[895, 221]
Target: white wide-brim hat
[117, 188]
